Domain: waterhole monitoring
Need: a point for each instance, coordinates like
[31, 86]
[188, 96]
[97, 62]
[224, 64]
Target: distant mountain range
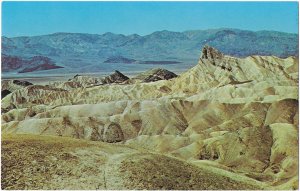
[78, 51]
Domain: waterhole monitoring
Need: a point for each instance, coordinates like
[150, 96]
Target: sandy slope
[47, 162]
[226, 116]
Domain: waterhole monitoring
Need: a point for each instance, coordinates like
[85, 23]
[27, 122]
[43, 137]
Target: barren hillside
[227, 123]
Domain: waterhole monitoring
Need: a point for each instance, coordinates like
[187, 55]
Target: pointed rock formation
[156, 75]
[116, 77]
[211, 53]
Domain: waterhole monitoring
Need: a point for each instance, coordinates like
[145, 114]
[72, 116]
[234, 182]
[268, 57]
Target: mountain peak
[117, 72]
[116, 77]
[209, 52]
[156, 74]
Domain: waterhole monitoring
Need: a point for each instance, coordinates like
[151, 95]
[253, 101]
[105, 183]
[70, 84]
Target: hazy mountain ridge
[91, 49]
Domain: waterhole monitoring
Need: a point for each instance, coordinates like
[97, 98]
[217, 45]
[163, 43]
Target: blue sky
[37, 18]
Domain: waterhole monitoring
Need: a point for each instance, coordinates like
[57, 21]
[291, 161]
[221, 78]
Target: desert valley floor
[227, 123]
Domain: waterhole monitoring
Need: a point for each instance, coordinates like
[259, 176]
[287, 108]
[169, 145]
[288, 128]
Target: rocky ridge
[155, 75]
[116, 77]
[8, 86]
